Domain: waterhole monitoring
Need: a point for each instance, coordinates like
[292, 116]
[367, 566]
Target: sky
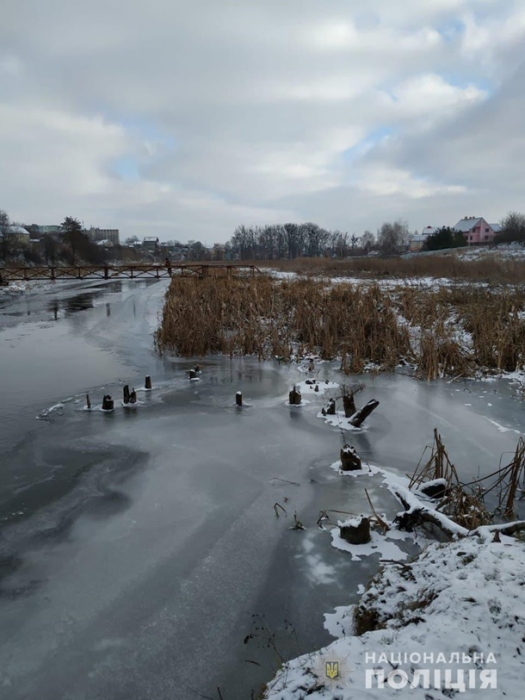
[186, 119]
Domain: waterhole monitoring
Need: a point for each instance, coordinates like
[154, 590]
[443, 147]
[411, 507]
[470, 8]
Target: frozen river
[137, 547]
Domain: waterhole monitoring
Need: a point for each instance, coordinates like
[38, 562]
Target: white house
[418, 240]
[19, 234]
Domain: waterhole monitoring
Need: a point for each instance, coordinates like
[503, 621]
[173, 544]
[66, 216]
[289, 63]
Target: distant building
[19, 234]
[476, 230]
[151, 244]
[53, 229]
[418, 240]
[103, 234]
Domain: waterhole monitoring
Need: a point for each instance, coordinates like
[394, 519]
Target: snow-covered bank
[451, 621]
[13, 288]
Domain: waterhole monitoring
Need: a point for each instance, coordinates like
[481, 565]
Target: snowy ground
[451, 621]
[512, 252]
[13, 288]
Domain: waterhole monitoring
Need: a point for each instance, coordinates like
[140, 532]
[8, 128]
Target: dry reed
[491, 270]
[454, 330]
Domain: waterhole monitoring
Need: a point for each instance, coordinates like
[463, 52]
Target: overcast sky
[185, 119]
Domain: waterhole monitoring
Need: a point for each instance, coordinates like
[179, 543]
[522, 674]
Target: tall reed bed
[449, 331]
[464, 329]
[269, 318]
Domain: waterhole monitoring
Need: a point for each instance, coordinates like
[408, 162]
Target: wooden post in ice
[363, 413]
[126, 394]
[197, 368]
[192, 374]
[107, 403]
[88, 402]
[133, 396]
[294, 397]
[350, 460]
[330, 409]
[349, 405]
[147, 383]
[356, 531]
[238, 398]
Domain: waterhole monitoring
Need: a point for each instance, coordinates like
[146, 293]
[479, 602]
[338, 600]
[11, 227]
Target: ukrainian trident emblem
[332, 670]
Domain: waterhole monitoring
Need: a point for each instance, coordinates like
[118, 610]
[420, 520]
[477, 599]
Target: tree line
[289, 241]
[72, 246]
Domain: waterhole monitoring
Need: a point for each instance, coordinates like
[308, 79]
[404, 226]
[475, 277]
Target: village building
[151, 244]
[418, 240]
[18, 234]
[476, 230]
[103, 234]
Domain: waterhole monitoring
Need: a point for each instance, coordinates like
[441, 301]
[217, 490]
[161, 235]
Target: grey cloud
[259, 102]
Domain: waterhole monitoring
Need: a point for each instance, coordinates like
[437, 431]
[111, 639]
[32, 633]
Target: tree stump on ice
[356, 531]
[363, 413]
[126, 394]
[238, 398]
[107, 403]
[294, 397]
[330, 409]
[147, 383]
[349, 405]
[192, 374]
[350, 460]
[133, 396]
[434, 489]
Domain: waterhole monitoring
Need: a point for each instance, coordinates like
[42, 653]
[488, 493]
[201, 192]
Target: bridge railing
[134, 271]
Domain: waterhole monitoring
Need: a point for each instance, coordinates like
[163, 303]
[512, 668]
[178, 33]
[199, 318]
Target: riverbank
[449, 620]
[452, 620]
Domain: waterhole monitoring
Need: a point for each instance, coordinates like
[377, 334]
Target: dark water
[137, 547]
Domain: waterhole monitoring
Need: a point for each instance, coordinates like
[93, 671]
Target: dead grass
[492, 270]
[268, 318]
[454, 330]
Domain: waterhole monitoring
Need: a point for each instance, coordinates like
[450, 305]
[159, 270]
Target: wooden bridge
[138, 271]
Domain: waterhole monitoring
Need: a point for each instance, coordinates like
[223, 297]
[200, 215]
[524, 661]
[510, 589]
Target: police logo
[332, 670]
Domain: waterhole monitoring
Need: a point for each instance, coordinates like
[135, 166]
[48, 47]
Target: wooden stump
[434, 489]
[350, 460]
[316, 387]
[330, 409]
[88, 402]
[126, 394]
[133, 396]
[311, 366]
[147, 383]
[238, 398]
[356, 531]
[295, 397]
[363, 413]
[197, 368]
[192, 374]
[349, 405]
[107, 403]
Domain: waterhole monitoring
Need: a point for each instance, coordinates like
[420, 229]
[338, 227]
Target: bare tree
[392, 237]
[512, 228]
[367, 241]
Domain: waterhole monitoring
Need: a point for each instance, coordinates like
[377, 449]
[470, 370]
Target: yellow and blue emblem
[332, 670]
